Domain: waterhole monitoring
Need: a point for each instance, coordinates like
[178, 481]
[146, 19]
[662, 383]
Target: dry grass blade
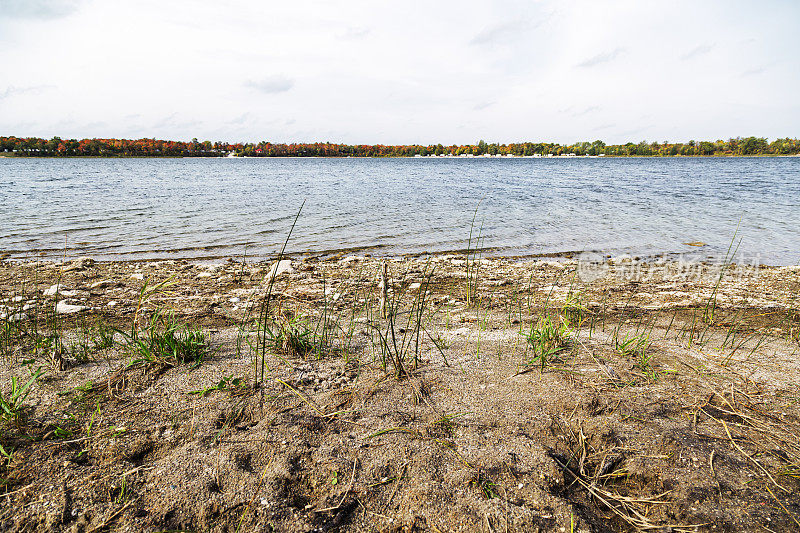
[255, 494]
[112, 517]
[782, 507]
[311, 402]
[625, 507]
[749, 457]
[346, 492]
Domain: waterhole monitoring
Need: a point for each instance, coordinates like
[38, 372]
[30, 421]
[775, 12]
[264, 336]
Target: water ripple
[146, 208]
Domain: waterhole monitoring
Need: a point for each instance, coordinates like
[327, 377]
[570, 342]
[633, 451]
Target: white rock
[101, 284]
[112, 303]
[58, 289]
[63, 308]
[414, 286]
[137, 275]
[204, 275]
[284, 266]
[78, 264]
[624, 258]
[553, 264]
[235, 300]
[16, 299]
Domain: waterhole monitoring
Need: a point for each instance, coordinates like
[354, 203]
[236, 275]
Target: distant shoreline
[739, 146]
[720, 156]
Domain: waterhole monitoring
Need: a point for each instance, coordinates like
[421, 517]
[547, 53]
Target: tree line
[57, 147]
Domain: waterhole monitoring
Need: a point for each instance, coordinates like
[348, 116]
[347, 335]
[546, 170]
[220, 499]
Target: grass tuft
[11, 403]
[165, 342]
[548, 337]
[293, 337]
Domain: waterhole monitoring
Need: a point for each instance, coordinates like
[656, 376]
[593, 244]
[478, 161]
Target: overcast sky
[400, 72]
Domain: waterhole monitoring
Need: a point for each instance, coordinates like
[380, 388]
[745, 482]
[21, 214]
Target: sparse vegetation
[338, 407]
[12, 401]
[165, 342]
[548, 338]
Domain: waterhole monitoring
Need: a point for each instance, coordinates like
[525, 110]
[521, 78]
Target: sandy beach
[493, 395]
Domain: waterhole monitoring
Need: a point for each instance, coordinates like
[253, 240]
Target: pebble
[58, 289]
[16, 317]
[79, 264]
[284, 266]
[63, 308]
[137, 275]
[553, 264]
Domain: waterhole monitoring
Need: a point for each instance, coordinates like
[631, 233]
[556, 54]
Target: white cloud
[271, 84]
[19, 91]
[38, 9]
[697, 51]
[604, 57]
[504, 33]
[369, 72]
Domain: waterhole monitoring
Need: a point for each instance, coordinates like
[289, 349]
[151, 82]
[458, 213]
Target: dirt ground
[672, 402]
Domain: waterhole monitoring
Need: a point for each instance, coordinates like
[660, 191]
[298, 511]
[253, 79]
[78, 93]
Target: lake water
[211, 208]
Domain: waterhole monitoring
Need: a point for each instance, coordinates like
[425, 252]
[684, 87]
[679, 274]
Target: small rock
[234, 300]
[101, 284]
[553, 264]
[204, 275]
[78, 264]
[284, 266]
[137, 275]
[414, 286]
[624, 258]
[63, 308]
[58, 289]
[112, 303]
[350, 259]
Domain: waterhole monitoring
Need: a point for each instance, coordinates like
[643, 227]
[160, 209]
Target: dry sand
[701, 431]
